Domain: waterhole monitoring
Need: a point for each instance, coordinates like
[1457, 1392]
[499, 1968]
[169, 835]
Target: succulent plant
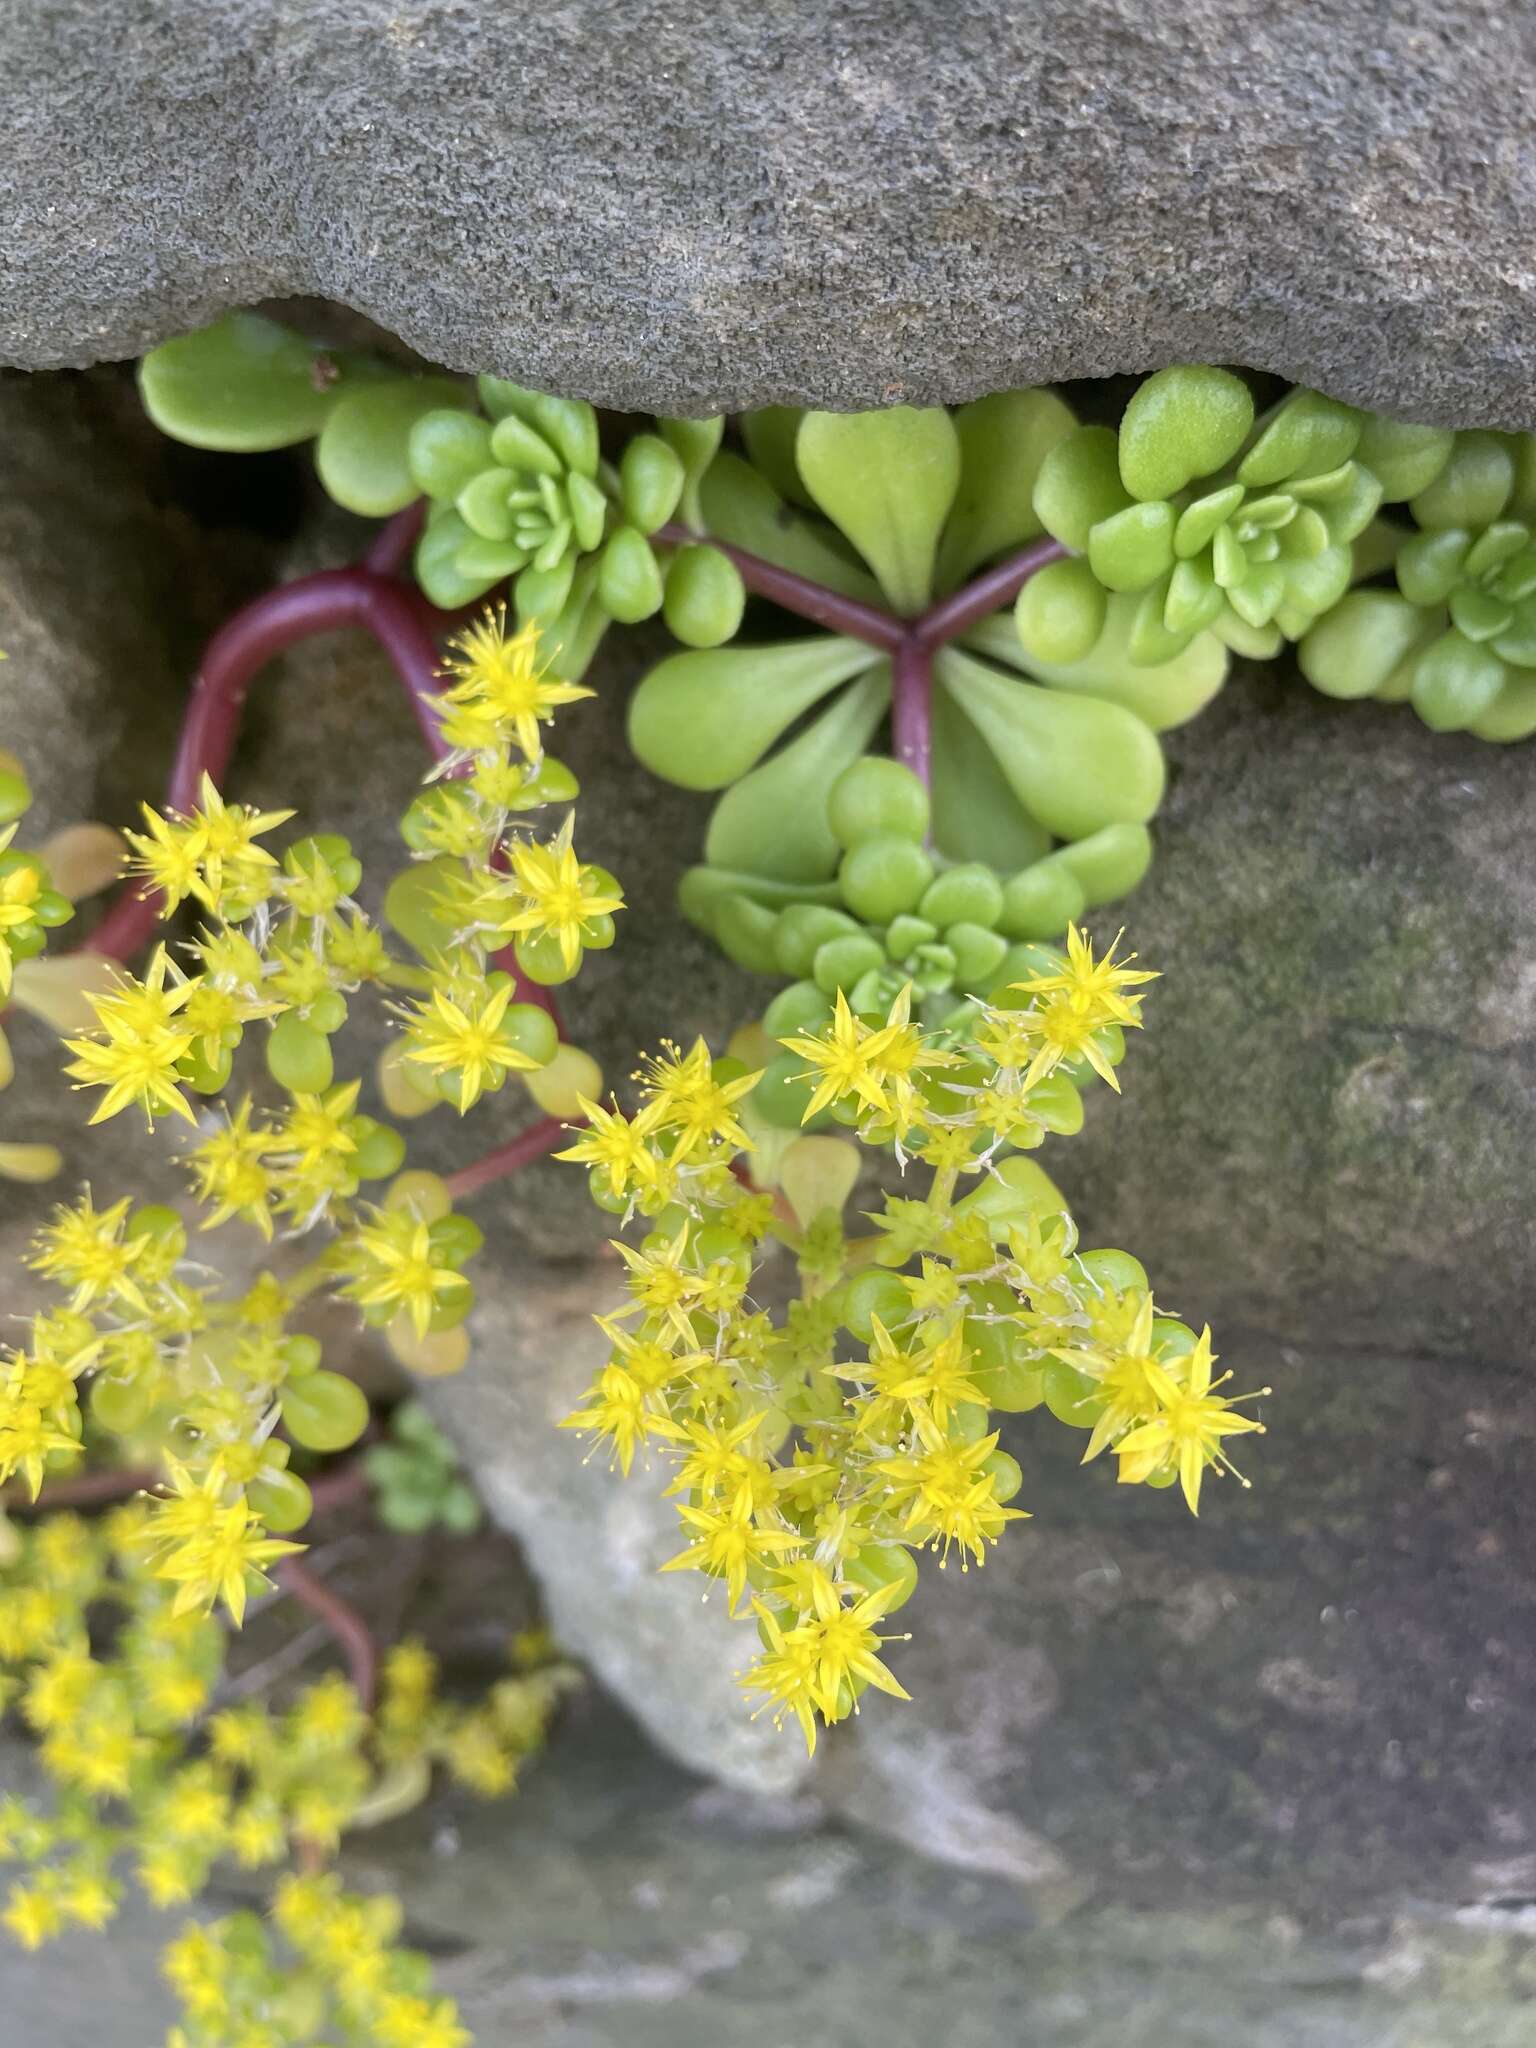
[1213, 521]
[1458, 636]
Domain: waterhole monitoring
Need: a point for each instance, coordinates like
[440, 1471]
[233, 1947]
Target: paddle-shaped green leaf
[1075, 763]
[1008, 1197]
[1003, 441]
[976, 815]
[1474, 486]
[1353, 649]
[1110, 863]
[704, 718]
[363, 454]
[741, 507]
[411, 905]
[887, 480]
[1186, 421]
[702, 889]
[769, 433]
[696, 442]
[1163, 697]
[774, 821]
[243, 384]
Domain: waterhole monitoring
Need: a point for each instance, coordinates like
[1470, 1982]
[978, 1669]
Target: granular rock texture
[701, 204]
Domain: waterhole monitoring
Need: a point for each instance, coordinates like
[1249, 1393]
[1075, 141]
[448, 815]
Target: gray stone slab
[702, 204]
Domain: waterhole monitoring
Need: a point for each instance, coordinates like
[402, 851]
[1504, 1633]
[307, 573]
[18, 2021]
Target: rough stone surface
[694, 205]
[616, 1903]
[1330, 1120]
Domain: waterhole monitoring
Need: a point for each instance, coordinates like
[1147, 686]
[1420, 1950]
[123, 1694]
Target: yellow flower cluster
[810, 1458]
[499, 884]
[154, 1778]
[284, 944]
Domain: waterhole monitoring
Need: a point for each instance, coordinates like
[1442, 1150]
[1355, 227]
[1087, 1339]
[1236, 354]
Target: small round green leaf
[1184, 422]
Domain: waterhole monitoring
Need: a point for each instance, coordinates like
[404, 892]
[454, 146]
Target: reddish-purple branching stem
[911, 643]
[341, 1618]
[990, 591]
[912, 707]
[527, 1146]
[800, 595]
[390, 548]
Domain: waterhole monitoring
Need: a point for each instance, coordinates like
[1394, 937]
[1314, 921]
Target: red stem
[799, 594]
[909, 642]
[341, 1618]
[392, 544]
[991, 590]
[527, 1146]
[912, 707]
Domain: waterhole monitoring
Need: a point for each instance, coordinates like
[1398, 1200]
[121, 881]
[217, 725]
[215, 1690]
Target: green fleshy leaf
[774, 821]
[1184, 422]
[1075, 763]
[1404, 459]
[1060, 612]
[698, 443]
[1133, 548]
[976, 815]
[1455, 682]
[1010, 1195]
[887, 480]
[1517, 643]
[1516, 581]
[1254, 643]
[518, 446]
[1003, 441]
[1306, 535]
[1304, 435]
[769, 433]
[485, 506]
[741, 507]
[1522, 497]
[1153, 643]
[410, 905]
[743, 930]
[704, 596]
[1194, 599]
[543, 593]
[629, 582]
[447, 450]
[571, 639]
[1199, 523]
[1474, 486]
[1430, 565]
[243, 384]
[704, 718]
[1352, 650]
[1512, 714]
[702, 888]
[1478, 615]
[1496, 545]
[1161, 697]
[1079, 485]
[1317, 584]
[1110, 863]
[1350, 511]
[1258, 596]
[437, 564]
[1041, 901]
[363, 454]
